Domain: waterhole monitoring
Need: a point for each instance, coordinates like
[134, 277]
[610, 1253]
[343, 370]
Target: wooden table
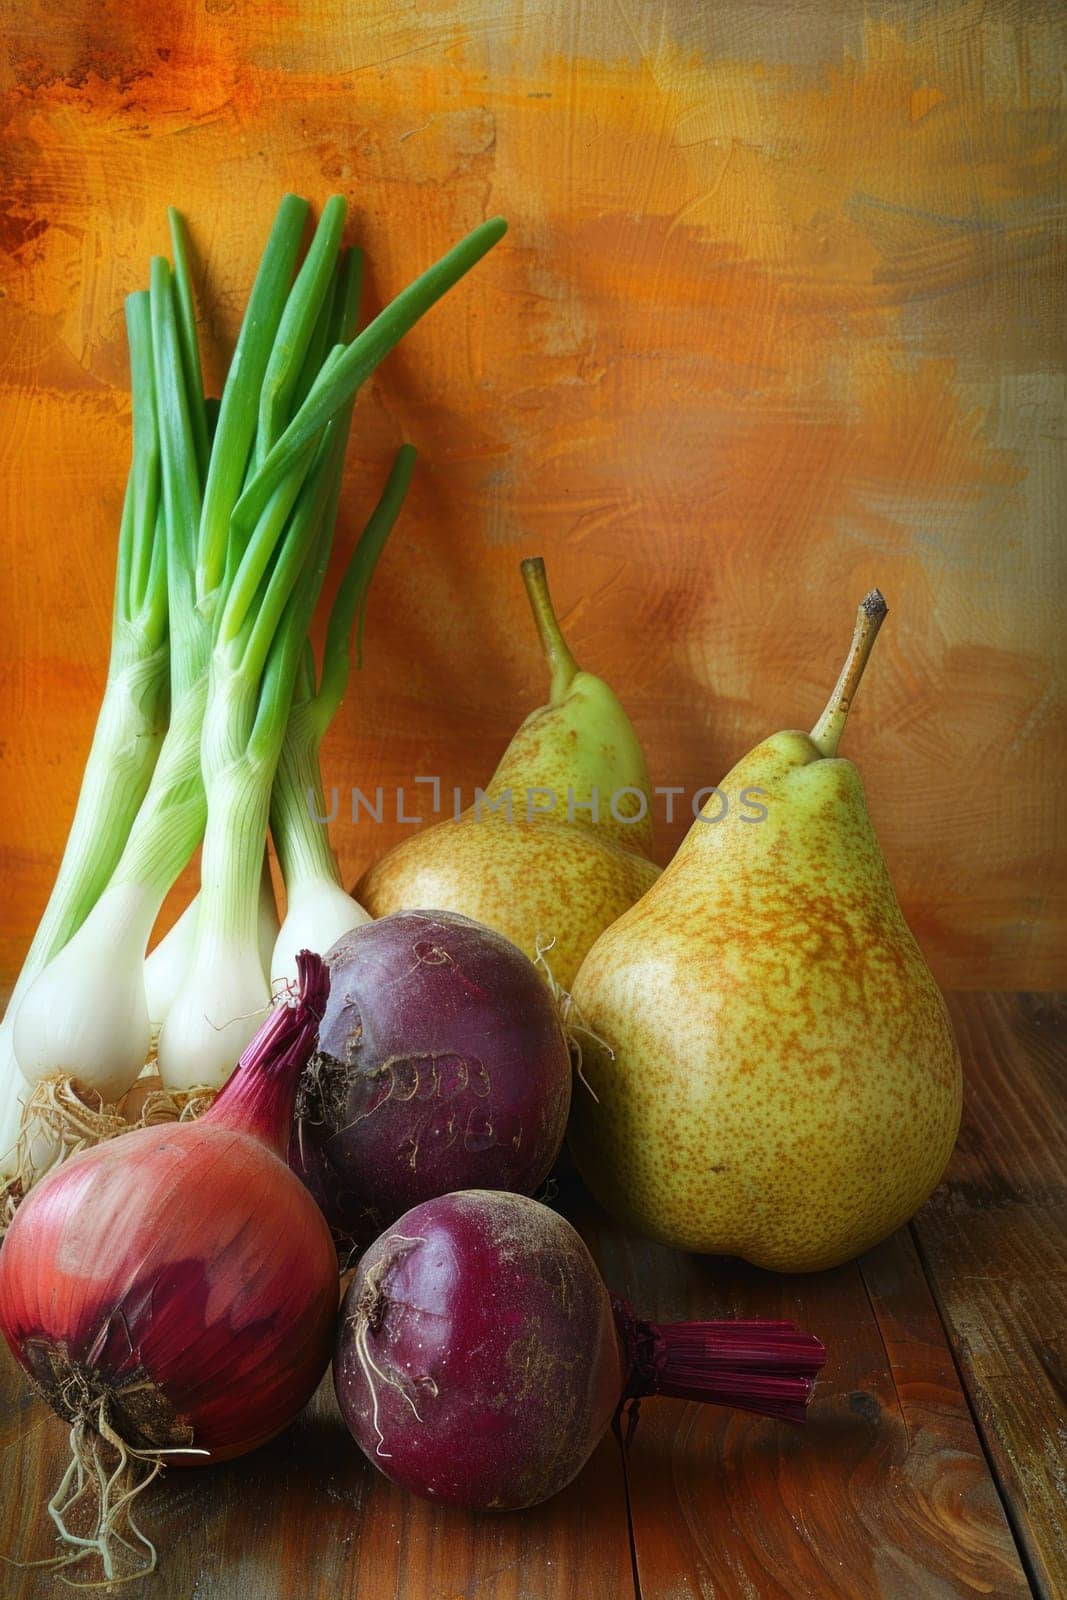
[932, 1464]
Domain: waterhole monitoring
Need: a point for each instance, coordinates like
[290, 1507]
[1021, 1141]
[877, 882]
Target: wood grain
[308, 1516]
[884, 1492]
[779, 316]
[994, 1243]
[888, 1493]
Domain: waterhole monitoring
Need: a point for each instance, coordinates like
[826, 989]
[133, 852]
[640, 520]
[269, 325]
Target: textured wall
[779, 316]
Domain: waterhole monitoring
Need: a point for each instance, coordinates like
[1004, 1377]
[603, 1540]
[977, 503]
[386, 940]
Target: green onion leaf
[239, 406]
[298, 325]
[191, 369]
[359, 360]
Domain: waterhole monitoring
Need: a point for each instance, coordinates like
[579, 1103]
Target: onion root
[104, 1479]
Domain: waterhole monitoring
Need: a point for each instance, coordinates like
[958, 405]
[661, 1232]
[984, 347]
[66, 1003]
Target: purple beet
[480, 1358]
[441, 1064]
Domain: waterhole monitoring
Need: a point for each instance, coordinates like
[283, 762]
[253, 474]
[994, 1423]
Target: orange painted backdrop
[779, 316]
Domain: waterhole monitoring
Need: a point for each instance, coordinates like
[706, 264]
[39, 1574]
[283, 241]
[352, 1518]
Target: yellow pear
[774, 1071]
[558, 843]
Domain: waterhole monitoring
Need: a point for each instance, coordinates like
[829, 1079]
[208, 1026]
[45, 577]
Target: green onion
[355, 365]
[191, 369]
[220, 1004]
[300, 323]
[246, 494]
[131, 721]
[239, 407]
[257, 656]
[78, 1016]
[318, 909]
[167, 966]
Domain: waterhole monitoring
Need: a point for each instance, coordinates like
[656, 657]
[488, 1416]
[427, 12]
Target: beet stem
[762, 1366]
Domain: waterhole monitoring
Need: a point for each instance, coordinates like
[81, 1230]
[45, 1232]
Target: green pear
[770, 1065]
[558, 844]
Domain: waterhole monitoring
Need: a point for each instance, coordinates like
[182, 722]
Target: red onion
[480, 1357]
[442, 1064]
[173, 1293]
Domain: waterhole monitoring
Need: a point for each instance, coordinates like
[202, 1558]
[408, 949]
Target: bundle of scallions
[214, 706]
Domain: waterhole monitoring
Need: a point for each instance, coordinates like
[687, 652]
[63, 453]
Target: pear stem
[557, 651]
[869, 618]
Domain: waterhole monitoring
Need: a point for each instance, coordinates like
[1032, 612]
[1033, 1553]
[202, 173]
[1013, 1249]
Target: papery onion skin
[488, 1311]
[182, 1272]
[442, 1064]
[226, 1309]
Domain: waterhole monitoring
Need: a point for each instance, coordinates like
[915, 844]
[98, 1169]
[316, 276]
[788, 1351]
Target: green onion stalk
[86, 1014]
[318, 908]
[303, 328]
[256, 658]
[168, 961]
[220, 1003]
[130, 724]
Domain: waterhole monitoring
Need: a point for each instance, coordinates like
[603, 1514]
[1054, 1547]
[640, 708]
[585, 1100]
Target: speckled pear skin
[785, 1085]
[554, 877]
[534, 882]
[586, 742]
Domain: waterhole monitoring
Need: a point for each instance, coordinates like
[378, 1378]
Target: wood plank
[308, 1516]
[885, 1492]
[994, 1243]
